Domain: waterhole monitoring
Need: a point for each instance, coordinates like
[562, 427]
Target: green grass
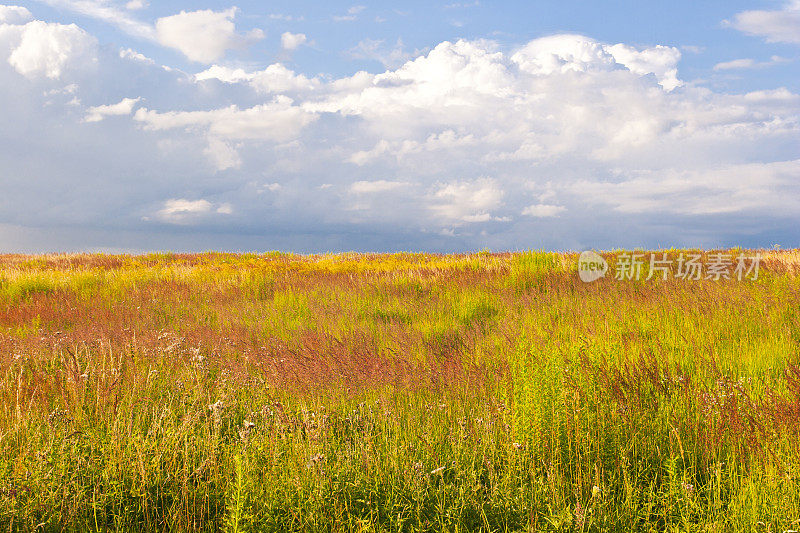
[491, 392]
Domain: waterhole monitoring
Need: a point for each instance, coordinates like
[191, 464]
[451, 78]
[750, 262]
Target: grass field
[405, 392]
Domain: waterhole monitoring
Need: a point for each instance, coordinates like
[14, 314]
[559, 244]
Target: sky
[130, 126]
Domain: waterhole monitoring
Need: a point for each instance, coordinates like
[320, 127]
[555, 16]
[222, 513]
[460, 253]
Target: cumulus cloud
[466, 201]
[292, 41]
[133, 55]
[278, 120]
[776, 26]
[276, 78]
[203, 36]
[274, 122]
[576, 53]
[557, 107]
[44, 49]
[14, 15]
[560, 142]
[98, 113]
[183, 211]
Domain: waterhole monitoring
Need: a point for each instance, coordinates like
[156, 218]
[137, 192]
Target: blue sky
[448, 126]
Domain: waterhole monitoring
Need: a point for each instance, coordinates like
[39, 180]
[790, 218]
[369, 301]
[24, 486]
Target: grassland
[405, 392]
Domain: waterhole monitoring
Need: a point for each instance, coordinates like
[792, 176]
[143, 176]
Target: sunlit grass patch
[399, 392]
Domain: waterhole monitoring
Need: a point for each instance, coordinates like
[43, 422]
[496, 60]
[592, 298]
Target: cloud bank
[560, 142]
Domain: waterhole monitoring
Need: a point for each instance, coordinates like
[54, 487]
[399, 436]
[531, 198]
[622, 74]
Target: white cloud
[462, 5]
[292, 41]
[388, 56]
[49, 49]
[182, 211]
[781, 26]
[447, 141]
[543, 210]
[98, 113]
[661, 61]
[224, 74]
[781, 94]
[14, 15]
[203, 36]
[377, 186]
[576, 53]
[278, 121]
[70, 89]
[134, 5]
[466, 201]
[182, 207]
[271, 187]
[107, 12]
[352, 14]
[275, 122]
[735, 64]
[133, 55]
[747, 63]
[222, 154]
[736, 188]
[276, 78]
[539, 103]
[403, 157]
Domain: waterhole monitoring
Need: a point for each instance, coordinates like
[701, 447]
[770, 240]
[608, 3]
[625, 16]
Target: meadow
[403, 392]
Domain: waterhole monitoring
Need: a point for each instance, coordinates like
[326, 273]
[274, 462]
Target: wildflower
[517, 445]
[596, 491]
[315, 460]
[245, 430]
[216, 407]
[580, 518]
[58, 416]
